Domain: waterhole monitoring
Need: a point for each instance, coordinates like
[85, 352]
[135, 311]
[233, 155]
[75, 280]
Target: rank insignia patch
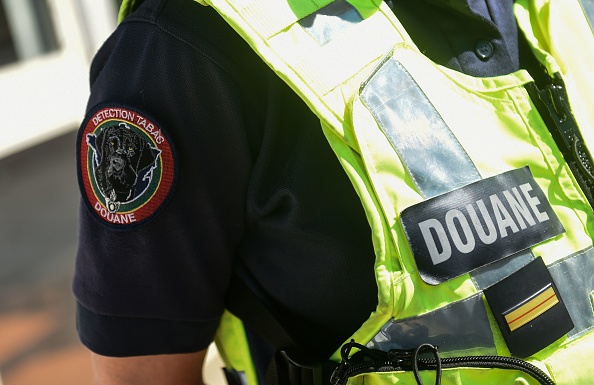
[126, 165]
[529, 310]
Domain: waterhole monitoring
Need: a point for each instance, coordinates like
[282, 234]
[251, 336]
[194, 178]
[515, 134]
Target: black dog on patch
[123, 162]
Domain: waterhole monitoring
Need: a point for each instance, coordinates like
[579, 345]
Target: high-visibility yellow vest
[420, 144]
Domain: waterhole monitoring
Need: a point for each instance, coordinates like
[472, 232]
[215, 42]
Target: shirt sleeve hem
[114, 336]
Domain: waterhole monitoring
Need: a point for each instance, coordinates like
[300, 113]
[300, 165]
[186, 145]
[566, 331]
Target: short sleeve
[163, 165]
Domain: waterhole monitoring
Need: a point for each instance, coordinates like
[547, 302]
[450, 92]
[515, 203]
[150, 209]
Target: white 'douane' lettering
[496, 218]
[446, 249]
[114, 217]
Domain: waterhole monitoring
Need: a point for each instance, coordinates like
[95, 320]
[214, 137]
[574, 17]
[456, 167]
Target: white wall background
[44, 95]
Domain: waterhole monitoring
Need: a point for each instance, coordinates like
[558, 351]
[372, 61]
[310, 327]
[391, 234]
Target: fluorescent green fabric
[568, 50]
[449, 377]
[572, 363]
[233, 347]
[125, 9]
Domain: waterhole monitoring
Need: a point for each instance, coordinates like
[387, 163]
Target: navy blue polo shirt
[194, 158]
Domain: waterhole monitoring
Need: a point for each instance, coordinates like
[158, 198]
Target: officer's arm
[169, 369]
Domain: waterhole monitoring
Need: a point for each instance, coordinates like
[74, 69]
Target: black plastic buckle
[291, 370]
[232, 377]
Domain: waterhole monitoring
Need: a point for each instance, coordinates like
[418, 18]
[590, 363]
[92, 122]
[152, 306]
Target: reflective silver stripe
[588, 7]
[334, 18]
[574, 277]
[495, 272]
[433, 157]
[460, 326]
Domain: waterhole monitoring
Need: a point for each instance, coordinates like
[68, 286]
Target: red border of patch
[167, 163]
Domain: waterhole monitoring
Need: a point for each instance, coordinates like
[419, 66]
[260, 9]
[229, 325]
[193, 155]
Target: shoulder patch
[126, 165]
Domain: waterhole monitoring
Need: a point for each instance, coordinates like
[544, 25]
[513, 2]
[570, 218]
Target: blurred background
[46, 47]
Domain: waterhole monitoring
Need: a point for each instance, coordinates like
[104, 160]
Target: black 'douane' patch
[464, 229]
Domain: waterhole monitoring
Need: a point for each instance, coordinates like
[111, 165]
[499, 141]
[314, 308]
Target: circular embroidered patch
[126, 165]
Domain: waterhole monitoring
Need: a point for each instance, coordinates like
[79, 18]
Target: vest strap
[242, 300]
[290, 365]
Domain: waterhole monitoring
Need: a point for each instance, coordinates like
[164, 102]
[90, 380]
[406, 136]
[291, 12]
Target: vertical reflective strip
[574, 277]
[458, 328]
[588, 7]
[329, 21]
[433, 157]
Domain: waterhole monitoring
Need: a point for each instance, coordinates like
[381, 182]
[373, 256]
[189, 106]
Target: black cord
[415, 363]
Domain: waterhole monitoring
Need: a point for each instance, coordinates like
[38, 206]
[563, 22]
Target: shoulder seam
[195, 48]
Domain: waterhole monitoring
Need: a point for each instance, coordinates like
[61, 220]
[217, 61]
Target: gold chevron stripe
[531, 309]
